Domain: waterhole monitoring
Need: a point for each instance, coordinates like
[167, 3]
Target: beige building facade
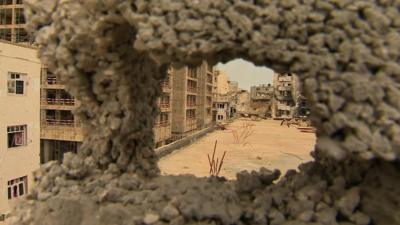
[222, 82]
[162, 126]
[192, 99]
[286, 87]
[19, 123]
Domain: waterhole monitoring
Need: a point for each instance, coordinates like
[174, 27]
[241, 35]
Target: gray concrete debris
[112, 55]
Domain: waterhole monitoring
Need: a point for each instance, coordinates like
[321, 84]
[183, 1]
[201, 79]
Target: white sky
[246, 73]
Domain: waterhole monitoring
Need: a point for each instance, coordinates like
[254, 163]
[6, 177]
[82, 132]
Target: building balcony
[61, 130]
[53, 83]
[164, 106]
[162, 124]
[58, 104]
[190, 104]
[65, 123]
[192, 89]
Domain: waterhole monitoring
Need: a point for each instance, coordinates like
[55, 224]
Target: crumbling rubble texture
[112, 54]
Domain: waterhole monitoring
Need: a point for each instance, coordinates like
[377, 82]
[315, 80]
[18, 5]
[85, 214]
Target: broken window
[16, 83]
[17, 136]
[5, 16]
[17, 187]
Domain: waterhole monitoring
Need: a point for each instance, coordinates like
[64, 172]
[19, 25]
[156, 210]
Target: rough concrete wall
[112, 53]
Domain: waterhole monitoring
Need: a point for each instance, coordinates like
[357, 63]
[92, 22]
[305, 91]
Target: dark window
[6, 2]
[16, 136]
[21, 189]
[19, 16]
[5, 34]
[9, 193]
[5, 16]
[19, 87]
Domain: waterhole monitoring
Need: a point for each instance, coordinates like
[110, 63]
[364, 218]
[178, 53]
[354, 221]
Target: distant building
[192, 99]
[286, 86]
[20, 122]
[222, 105]
[222, 82]
[162, 127]
[261, 99]
[233, 86]
[242, 101]
[61, 131]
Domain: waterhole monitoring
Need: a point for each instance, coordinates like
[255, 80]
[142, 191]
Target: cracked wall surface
[113, 54]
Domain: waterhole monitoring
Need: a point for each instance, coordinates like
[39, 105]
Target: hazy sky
[246, 73]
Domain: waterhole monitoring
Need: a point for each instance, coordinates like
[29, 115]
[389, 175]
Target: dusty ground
[270, 145]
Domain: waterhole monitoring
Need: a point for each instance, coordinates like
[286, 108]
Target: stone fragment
[151, 218]
[349, 201]
[169, 212]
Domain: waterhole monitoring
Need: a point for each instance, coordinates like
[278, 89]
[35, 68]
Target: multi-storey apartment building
[192, 99]
[162, 127]
[205, 95]
[61, 131]
[19, 123]
[12, 22]
[286, 87]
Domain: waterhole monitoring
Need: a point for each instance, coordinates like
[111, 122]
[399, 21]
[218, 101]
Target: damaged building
[281, 100]
[261, 99]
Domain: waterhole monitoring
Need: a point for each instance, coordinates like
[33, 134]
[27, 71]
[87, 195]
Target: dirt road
[268, 145]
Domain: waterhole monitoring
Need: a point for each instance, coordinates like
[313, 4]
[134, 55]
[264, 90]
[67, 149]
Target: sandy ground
[270, 145]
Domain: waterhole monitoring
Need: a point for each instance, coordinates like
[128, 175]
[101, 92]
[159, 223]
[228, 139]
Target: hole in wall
[252, 117]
